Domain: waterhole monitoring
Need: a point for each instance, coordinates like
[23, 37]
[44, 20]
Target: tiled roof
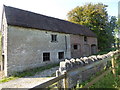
[18, 17]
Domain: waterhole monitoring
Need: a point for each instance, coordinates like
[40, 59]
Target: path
[31, 81]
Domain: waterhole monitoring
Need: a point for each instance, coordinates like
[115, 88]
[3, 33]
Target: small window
[53, 38]
[85, 38]
[61, 55]
[75, 47]
[46, 56]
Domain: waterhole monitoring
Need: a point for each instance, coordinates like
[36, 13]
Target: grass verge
[110, 81]
[92, 78]
[30, 72]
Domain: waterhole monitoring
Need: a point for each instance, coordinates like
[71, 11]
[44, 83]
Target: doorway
[93, 49]
[86, 50]
[2, 63]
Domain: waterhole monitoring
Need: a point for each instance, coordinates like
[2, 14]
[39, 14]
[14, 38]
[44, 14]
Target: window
[46, 56]
[75, 47]
[61, 55]
[85, 38]
[53, 38]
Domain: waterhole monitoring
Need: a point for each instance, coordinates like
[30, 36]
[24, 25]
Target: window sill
[54, 41]
[75, 49]
[61, 59]
[46, 61]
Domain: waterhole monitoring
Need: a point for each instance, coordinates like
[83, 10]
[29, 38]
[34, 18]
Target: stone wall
[76, 40]
[81, 69]
[84, 47]
[26, 47]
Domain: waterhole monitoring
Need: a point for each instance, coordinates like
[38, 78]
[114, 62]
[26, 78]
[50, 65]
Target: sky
[57, 8]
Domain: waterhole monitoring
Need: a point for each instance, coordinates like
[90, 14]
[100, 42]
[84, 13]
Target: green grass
[92, 77]
[8, 79]
[109, 80]
[30, 72]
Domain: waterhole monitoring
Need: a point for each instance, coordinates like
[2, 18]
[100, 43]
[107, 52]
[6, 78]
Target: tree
[117, 33]
[110, 30]
[95, 17]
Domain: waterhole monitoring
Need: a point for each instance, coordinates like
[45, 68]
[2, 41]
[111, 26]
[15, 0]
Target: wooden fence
[75, 71]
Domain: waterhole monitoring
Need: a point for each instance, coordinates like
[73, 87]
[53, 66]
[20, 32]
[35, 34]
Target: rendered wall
[26, 47]
[4, 38]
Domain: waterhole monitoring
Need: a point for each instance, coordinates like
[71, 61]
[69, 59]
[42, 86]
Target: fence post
[113, 64]
[65, 82]
[59, 82]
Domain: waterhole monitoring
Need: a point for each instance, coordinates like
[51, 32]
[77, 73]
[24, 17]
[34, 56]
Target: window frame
[76, 46]
[53, 38]
[60, 55]
[45, 57]
[85, 38]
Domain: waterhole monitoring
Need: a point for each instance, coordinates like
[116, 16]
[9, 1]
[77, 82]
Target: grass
[110, 81]
[8, 79]
[30, 72]
[92, 77]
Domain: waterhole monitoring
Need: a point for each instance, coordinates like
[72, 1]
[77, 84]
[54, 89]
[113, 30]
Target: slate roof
[18, 17]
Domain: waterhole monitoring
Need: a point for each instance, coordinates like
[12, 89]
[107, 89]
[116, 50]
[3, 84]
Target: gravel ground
[31, 81]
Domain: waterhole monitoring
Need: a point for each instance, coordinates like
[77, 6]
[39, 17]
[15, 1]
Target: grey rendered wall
[26, 47]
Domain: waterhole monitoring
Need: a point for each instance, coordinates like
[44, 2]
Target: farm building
[32, 40]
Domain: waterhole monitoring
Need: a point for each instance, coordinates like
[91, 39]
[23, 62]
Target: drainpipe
[65, 44]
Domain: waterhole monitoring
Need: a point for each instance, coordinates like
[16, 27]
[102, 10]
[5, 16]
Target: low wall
[81, 69]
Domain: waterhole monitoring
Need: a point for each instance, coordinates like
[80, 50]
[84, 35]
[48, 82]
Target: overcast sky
[57, 8]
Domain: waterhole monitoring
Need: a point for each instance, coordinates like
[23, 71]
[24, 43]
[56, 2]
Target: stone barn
[31, 40]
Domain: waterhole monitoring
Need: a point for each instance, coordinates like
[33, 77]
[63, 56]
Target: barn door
[86, 50]
[93, 49]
